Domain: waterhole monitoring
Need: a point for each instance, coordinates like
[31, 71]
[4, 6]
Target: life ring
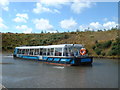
[82, 51]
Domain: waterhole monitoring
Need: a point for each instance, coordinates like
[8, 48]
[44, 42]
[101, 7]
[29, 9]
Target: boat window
[26, 51]
[58, 51]
[68, 52]
[76, 51]
[41, 51]
[23, 51]
[36, 52]
[52, 52]
[31, 52]
[44, 51]
[48, 51]
[19, 51]
[65, 53]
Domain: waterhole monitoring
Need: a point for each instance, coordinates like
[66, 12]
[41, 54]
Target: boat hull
[74, 61]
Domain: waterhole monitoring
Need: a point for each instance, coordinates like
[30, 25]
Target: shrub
[96, 41]
[115, 50]
[103, 53]
[93, 47]
[112, 52]
[114, 47]
[9, 47]
[98, 45]
[118, 40]
[98, 51]
[107, 44]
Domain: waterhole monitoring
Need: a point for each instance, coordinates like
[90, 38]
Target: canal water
[19, 73]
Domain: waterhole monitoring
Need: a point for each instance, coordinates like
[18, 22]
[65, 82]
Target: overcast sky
[61, 15]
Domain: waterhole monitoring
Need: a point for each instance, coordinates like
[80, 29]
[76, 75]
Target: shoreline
[108, 57]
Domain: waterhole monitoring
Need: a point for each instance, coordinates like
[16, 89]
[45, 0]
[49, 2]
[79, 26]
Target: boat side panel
[65, 60]
[27, 57]
[60, 60]
[56, 59]
[30, 57]
[50, 59]
[86, 60]
[44, 58]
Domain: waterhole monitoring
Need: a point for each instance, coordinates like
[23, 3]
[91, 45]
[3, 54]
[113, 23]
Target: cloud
[22, 15]
[97, 26]
[79, 6]
[24, 29]
[21, 18]
[110, 24]
[4, 4]
[42, 24]
[2, 26]
[54, 2]
[68, 23]
[40, 9]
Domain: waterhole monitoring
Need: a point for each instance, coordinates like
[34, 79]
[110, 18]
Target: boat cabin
[62, 50]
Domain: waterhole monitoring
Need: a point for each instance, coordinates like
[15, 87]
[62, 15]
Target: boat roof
[50, 46]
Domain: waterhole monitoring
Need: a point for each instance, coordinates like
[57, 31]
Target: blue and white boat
[63, 54]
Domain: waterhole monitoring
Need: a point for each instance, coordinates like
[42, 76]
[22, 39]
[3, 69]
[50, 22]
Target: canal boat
[63, 54]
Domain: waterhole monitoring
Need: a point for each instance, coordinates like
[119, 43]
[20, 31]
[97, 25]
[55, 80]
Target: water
[17, 73]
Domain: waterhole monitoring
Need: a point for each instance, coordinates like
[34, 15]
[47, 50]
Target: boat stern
[83, 60]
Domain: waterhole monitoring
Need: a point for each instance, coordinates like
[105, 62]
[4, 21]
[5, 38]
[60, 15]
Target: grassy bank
[98, 44]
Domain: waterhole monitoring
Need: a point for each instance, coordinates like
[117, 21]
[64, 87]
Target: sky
[57, 16]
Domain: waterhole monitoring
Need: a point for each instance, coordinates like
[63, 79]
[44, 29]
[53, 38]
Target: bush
[103, 45]
[96, 41]
[107, 44]
[98, 51]
[99, 45]
[112, 52]
[114, 43]
[114, 47]
[103, 53]
[9, 47]
[115, 50]
[118, 40]
[93, 47]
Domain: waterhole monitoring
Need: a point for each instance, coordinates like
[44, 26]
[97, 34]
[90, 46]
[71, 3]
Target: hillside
[91, 40]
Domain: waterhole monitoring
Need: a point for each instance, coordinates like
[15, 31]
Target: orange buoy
[82, 51]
